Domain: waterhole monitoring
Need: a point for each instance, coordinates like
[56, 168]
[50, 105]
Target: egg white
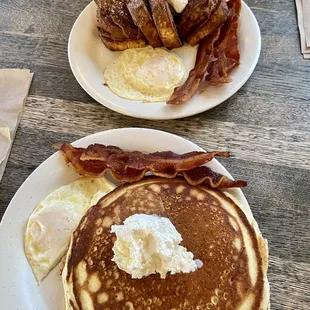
[50, 225]
[145, 74]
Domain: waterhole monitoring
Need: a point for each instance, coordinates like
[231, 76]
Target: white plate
[18, 288]
[88, 59]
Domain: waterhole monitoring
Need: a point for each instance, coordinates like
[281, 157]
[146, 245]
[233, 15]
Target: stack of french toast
[124, 24]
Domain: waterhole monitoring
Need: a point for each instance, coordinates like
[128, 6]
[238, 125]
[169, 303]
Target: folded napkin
[14, 87]
[303, 16]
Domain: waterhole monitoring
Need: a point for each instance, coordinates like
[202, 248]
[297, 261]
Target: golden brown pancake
[214, 229]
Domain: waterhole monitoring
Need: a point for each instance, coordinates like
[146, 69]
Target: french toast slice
[118, 12]
[120, 45]
[195, 13]
[142, 18]
[164, 23]
[106, 24]
[218, 17]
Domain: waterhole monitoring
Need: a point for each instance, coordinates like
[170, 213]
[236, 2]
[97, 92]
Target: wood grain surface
[265, 126]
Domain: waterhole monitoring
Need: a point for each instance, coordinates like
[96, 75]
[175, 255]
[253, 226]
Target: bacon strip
[204, 56]
[226, 52]
[205, 175]
[162, 162]
[96, 160]
[217, 55]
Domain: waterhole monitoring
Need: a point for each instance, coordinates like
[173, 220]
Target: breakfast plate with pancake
[110, 222]
[123, 57]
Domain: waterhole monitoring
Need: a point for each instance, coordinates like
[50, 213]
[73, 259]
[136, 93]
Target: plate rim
[114, 107]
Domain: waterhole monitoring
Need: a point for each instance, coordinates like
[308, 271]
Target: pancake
[213, 228]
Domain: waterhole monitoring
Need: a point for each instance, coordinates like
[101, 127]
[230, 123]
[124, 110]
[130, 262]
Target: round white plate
[89, 57]
[18, 287]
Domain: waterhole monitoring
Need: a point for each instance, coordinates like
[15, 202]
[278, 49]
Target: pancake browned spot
[213, 228]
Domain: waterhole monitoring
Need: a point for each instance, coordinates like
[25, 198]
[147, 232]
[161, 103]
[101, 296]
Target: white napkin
[306, 16]
[303, 16]
[5, 142]
[14, 87]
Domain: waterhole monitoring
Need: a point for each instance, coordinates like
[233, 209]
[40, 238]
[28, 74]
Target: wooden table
[265, 125]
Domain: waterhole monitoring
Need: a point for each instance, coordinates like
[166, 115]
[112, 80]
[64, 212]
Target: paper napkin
[14, 87]
[303, 16]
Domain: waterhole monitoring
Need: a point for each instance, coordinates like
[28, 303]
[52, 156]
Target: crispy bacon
[226, 52]
[205, 175]
[97, 159]
[204, 55]
[217, 55]
[167, 161]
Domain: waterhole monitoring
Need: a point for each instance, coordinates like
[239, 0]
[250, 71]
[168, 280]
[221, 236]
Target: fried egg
[145, 74]
[49, 227]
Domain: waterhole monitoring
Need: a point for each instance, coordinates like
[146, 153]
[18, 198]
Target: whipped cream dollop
[148, 244]
[178, 5]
